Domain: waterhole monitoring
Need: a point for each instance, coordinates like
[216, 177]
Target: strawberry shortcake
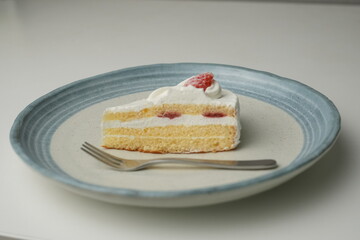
[194, 116]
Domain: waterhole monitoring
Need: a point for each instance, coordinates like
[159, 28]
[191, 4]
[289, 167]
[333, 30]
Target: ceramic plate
[281, 119]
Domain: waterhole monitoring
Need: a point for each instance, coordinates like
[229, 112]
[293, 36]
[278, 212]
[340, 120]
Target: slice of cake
[194, 116]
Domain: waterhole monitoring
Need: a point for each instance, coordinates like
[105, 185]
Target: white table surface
[47, 44]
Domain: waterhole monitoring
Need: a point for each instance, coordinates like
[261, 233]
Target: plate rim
[128, 192]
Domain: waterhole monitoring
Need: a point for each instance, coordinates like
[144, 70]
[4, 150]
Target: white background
[47, 44]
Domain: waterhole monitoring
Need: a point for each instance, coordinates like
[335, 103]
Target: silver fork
[123, 164]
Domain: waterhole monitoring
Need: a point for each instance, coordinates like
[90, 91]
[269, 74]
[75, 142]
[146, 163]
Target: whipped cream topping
[181, 94]
[189, 94]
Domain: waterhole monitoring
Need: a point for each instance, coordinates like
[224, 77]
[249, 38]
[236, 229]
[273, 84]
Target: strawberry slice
[170, 115]
[203, 80]
[214, 114]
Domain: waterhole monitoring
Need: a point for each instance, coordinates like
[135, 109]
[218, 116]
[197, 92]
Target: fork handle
[225, 164]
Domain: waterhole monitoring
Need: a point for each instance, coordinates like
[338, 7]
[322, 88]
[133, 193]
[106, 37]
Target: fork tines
[100, 155]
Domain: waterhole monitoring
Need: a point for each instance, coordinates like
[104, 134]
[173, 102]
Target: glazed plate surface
[281, 119]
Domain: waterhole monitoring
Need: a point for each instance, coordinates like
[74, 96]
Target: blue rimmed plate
[281, 119]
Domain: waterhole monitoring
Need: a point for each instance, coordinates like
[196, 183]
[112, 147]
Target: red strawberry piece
[214, 114]
[203, 80]
[170, 115]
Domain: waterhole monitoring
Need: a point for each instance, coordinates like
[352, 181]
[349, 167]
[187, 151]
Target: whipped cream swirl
[213, 91]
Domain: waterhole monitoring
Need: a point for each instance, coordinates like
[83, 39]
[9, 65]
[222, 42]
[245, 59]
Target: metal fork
[123, 164]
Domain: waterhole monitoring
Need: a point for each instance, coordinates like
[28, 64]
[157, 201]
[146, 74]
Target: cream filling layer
[186, 120]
